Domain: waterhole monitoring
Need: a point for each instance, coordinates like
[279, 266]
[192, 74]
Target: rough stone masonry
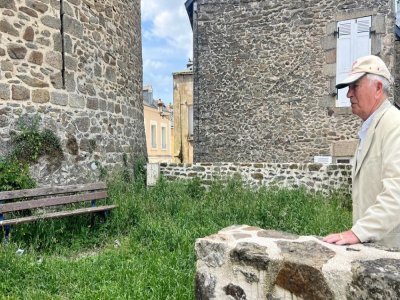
[313, 177]
[77, 65]
[250, 263]
[264, 77]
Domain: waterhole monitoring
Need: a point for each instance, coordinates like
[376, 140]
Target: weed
[156, 230]
[30, 143]
[195, 189]
[139, 171]
[14, 175]
[103, 171]
[92, 145]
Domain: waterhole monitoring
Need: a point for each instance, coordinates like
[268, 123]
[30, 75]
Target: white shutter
[190, 119]
[354, 41]
[362, 37]
[163, 137]
[153, 135]
[343, 59]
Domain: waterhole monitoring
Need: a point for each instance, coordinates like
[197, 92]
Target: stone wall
[77, 65]
[314, 177]
[243, 262]
[264, 76]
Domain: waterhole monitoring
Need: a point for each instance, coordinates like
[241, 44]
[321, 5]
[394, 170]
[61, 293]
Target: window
[190, 120]
[163, 137]
[343, 161]
[153, 135]
[354, 41]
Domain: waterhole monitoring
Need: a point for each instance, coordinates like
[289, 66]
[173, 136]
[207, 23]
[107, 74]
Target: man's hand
[342, 238]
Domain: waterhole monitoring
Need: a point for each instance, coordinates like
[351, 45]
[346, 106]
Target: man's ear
[379, 88]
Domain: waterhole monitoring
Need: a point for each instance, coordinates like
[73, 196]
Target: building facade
[76, 65]
[183, 115]
[158, 121]
[265, 74]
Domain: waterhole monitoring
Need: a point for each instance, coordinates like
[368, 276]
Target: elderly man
[376, 173]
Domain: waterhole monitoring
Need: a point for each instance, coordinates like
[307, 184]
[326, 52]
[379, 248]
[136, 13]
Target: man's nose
[349, 92]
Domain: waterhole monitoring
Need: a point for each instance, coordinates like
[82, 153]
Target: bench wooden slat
[59, 214]
[51, 201]
[7, 195]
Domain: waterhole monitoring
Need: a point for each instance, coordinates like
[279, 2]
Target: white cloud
[152, 64]
[163, 87]
[151, 8]
[167, 43]
[169, 21]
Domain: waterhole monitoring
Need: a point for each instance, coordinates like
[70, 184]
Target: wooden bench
[35, 202]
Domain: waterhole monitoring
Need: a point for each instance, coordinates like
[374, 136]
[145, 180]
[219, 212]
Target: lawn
[145, 249]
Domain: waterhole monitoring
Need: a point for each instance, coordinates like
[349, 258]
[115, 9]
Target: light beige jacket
[376, 180]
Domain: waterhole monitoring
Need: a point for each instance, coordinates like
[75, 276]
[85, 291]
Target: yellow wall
[183, 98]
[157, 153]
[172, 142]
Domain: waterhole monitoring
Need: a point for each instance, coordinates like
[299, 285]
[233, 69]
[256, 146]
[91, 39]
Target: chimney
[189, 64]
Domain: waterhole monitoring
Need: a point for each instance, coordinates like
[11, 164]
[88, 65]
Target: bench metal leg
[7, 233]
[101, 214]
[6, 229]
[93, 202]
[104, 213]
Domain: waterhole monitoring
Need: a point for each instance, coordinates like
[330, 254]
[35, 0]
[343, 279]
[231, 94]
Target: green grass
[156, 230]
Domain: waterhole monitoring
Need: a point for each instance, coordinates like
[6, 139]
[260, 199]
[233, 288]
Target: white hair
[386, 85]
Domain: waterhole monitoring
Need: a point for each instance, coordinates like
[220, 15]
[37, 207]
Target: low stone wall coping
[244, 262]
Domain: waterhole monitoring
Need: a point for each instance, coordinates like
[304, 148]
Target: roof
[189, 9]
[183, 72]
[152, 105]
[155, 104]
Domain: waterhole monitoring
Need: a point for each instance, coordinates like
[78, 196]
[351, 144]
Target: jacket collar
[370, 134]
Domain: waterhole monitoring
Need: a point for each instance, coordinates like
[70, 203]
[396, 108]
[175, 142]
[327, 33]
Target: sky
[167, 44]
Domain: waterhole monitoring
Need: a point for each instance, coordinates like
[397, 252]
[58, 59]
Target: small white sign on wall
[153, 173]
[326, 160]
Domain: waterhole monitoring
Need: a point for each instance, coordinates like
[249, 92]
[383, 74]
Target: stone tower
[76, 65]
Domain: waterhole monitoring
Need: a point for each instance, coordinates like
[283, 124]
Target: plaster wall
[183, 99]
[158, 153]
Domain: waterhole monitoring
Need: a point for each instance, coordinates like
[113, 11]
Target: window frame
[164, 146]
[153, 135]
[353, 38]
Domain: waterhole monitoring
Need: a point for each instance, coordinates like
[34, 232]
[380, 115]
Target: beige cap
[370, 64]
